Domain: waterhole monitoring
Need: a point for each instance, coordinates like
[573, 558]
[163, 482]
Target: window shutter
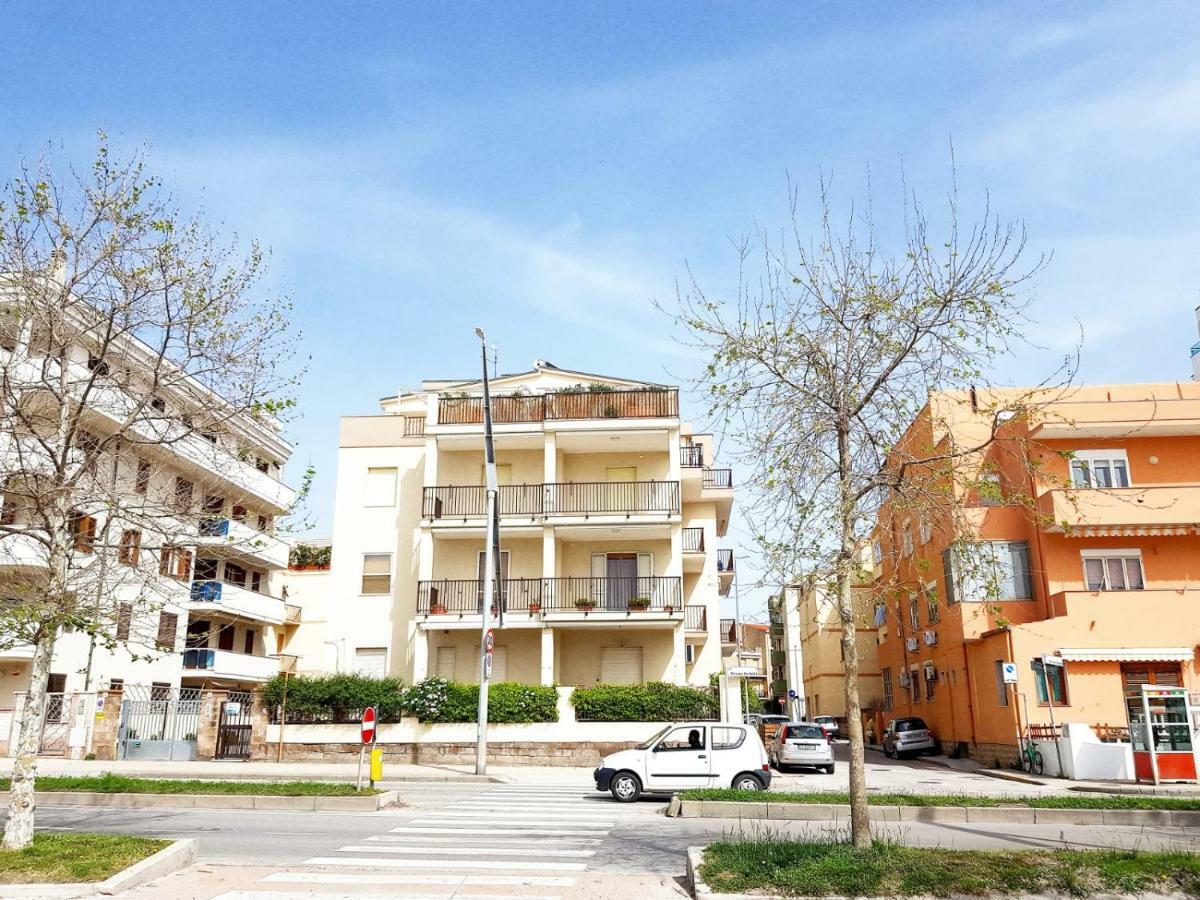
[1018, 552]
[621, 665]
[167, 623]
[948, 574]
[184, 567]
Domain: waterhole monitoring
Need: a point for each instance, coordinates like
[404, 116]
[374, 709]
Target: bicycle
[1031, 758]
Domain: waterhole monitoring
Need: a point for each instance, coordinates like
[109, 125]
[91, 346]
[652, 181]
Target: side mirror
[655, 748]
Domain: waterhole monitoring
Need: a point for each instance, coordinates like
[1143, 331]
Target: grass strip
[119, 784]
[69, 858]
[1056, 801]
[793, 868]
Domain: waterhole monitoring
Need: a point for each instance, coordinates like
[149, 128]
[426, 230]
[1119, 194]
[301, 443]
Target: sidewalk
[251, 771]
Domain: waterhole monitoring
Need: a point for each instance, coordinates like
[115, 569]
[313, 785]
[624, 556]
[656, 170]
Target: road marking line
[491, 814]
[417, 835]
[521, 823]
[380, 878]
[498, 864]
[528, 832]
[288, 895]
[467, 851]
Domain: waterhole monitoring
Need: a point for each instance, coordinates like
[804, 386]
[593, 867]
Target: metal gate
[56, 727]
[233, 730]
[158, 723]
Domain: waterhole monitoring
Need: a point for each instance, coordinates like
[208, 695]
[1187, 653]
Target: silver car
[908, 735]
[829, 723]
[801, 744]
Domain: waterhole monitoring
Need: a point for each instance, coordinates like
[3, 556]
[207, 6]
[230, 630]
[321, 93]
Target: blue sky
[547, 170]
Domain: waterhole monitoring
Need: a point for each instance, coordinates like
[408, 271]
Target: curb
[372, 803]
[171, 858]
[701, 891]
[1010, 815]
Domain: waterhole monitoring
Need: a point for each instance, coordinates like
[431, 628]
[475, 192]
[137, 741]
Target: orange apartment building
[1095, 547]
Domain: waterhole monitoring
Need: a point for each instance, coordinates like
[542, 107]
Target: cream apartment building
[611, 519]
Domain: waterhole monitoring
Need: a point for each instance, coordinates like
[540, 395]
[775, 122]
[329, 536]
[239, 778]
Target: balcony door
[479, 572]
[619, 577]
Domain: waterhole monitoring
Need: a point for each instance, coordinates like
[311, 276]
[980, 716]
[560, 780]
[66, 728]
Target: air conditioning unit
[931, 639]
[904, 679]
[911, 643]
[930, 672]
[689, 653]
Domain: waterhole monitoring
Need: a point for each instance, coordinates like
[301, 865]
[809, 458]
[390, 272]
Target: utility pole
[491, 560]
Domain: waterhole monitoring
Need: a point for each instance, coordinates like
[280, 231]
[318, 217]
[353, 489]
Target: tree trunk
[18, 831]
[860, 824]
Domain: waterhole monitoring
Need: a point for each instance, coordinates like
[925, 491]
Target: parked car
[801, 744]
[830, 724]
[909, 735]
[687, 755]
[756, 719]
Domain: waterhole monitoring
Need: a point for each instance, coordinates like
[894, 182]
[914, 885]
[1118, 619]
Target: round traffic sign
[793, 694]
[489, 641]
[368, 725]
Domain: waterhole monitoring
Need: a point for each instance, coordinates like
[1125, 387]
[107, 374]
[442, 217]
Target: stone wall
[108, 722]
[504, 753]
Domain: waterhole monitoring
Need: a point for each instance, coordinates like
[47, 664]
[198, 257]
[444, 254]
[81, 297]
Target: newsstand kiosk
[1163, 730]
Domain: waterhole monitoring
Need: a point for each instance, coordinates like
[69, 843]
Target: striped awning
[1126, 654]
[1091, 531]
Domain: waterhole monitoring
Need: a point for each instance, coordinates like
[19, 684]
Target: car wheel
[625, 787]
[828, 770]
[747, 782]
[887, 752]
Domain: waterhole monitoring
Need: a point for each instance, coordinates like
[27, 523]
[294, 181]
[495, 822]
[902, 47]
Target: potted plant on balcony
[639, 604]
[437, 608]
[535, 606]
[585, 604]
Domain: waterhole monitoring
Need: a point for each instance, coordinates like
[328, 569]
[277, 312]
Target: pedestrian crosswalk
[510, 841]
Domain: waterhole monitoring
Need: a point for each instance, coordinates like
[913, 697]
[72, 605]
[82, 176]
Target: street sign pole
[367, 733]
[491, 559]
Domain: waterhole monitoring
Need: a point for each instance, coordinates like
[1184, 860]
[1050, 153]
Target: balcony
[291, 614]
[691, 456]
[238, 539]
[464, 596]
[16, 653]
[234, 600]
[565, 499]
[230, 665]
[1161, 509]
[728, 631]
[724, 571]
[695, 619]
[633, 595]
[718, 479]
[693, 540]
[562, 406]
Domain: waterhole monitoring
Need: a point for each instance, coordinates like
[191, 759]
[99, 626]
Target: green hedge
[651, 702]
[334, 698]
[438, 700]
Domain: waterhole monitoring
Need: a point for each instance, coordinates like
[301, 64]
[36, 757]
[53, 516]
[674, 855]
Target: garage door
[447, 662]
[621, 665]
[371, 661]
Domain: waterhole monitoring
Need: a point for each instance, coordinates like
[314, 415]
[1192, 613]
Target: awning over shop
[1127, 654]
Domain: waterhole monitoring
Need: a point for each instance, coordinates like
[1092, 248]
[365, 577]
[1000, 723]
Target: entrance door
[621, 573]
[233, 728]
[680, 760]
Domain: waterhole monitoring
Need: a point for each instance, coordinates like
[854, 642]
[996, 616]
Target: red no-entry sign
[368, 725]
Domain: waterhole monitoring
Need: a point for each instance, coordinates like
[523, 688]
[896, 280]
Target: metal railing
[724, 560]
[718, 478]
[464, 596]
[414, 426]
[728, 631]
[209, 591]
[198, 659]
[618, 594]
[695, 618]
[693, 540]
[633, 404]
[691, 456]
[561, 499]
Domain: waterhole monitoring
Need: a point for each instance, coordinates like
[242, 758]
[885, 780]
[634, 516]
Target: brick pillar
[108, 721]
[258, 727]
[211, 700]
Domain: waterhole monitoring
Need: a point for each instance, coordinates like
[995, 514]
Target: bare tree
[140, 360]
[820, 365]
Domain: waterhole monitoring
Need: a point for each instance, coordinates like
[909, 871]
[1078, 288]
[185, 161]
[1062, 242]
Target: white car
[687, 755]
[829, 723]
[801, 744]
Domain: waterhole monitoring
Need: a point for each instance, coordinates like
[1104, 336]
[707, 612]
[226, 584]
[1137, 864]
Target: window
[377, 573]
[914, 612]
[256, 582]
[130, 548]
[124, 620]
[987, 570]
[930, 681]
[727, 738]
[889, 699]
[238, 513]
[687, 738]
[371, 661]
[225, 637]
[1099, 469]
[183, 565]
[1001, 685]
[234, 574]
[906, 539]
[158, 404]
[84, 529]
[914, 684]
[877, 551]
[175, 562]
[183, 495]
[97, 365]
[933, 613]
[248, 641]
[381, 487]
[1051, 683]
[167, 623]
[925, 530]
[990, 493]
[1113, 570]
[141, 484]
[206, 569]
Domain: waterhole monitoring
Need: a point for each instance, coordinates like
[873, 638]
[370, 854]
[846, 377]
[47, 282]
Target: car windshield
[649, 742]
[910, 724]
[805, 731]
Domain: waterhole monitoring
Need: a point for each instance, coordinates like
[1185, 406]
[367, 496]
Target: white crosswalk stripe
[516, 840]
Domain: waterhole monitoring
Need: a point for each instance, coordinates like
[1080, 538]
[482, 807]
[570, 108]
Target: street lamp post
[491, 558]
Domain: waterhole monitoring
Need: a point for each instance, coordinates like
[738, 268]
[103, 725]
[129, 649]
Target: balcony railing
[718, 478]
[724, 560]
[691, 456]
[617, 594]
[230, 664]
[243, 539]
[634, 404]
[238, 599]
[465, 595]
[562, 499]
[695, 618]
[728, 631]
[693, 540]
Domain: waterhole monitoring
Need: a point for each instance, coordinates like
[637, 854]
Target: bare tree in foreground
[819, 365]
[139, 359]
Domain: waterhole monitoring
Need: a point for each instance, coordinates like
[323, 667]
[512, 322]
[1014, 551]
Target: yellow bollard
[376, 764]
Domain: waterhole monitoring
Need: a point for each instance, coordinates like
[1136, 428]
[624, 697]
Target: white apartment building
[611, 515]
[217, 618]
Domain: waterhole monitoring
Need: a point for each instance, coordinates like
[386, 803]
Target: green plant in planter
[639, 602]
[597, 388]
[585, 604]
